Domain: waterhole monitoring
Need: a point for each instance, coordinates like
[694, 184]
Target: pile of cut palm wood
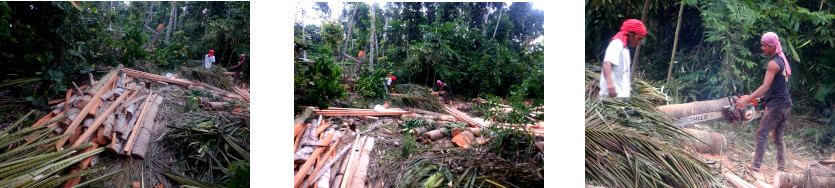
[114, 114]
[316, 153]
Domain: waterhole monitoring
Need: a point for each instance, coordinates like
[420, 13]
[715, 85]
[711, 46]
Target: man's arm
[607, 74]
[769, 77]
[238, 65]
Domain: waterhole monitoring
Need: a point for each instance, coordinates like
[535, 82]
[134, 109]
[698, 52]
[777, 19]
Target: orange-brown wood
[100, 119]
[84, 111]
[135, 131]
[297, 179]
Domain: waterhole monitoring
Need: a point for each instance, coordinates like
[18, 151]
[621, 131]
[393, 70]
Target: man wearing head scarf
[777, 100]
[209, 59]
[444, 91]
[238, 67]
[615, 78]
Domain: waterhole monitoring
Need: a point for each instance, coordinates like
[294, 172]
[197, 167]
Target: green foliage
[131, 44]
[409, 144]
[320, 83]
[171, 55]
[215, 149]
[629, 143]
[370, 83]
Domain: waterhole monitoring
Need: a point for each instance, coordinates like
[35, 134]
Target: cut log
[476, 131]
[464, 139]
[144, 138]
[297, 179]
[106, 80]
[109, 124]
[307, 112]
[136, 127]
[738, 182]
[101, 119]
[788, 180]
[433, 135]
[455, 132]
[700, 107]
[308, 142]
[360, 179]
[428, 117]
[216, 106]
[708, 142]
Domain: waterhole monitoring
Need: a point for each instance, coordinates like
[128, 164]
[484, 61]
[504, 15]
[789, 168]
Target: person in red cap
[616, 78]
[209, 59]
[238, 67]
[388, 81]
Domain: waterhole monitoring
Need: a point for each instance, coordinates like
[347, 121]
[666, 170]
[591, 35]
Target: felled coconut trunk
[693, 108]
[713, 142]
[789, 180]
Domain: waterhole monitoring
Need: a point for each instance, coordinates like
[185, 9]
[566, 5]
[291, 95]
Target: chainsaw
[728, 112]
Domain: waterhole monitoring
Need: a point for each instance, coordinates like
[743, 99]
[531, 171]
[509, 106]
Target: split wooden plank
[134, 132]
[360, 177]
[144, 137]
[463, 117]
[317, 173]
[738, 182]
[108, 78]
[299, 137]
[324, 157]
[347, 176]
[136, 73]
[322, 128]
[102, 117]
[297, 179]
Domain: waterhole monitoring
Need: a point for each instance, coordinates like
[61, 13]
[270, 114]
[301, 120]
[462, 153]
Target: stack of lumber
[463, 117]
[244, 93]
[333, 111]
[319, 159]
[150, 76]
[113, 111]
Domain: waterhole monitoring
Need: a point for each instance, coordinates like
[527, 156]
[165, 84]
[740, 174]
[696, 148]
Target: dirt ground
[740, 152]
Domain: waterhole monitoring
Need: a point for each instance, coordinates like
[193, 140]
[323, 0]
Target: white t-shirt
[619, 56]
[209, 60]
[388, 81]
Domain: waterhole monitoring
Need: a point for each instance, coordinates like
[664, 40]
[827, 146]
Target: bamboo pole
[675, 44]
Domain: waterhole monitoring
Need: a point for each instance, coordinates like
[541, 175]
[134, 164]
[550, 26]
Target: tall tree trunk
[501, 10]
[350, 31]
[484, 24]
[371, 39]
[638, 49]
[179, 22]
[150, 14]
[170, 20]
[675, 44]
[385, 35]
[304, 37]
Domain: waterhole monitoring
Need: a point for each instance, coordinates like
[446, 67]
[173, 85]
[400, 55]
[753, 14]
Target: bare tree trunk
[501, 10]
[675, 44]
[350, 30]
[638, 49]
[484, 24]
[170, 20]
[371, 39]
[150, 14]
[304, 37]
[693, 108]
[385, 35]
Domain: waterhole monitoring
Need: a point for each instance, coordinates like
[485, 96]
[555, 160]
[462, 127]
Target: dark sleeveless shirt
[778, 95]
